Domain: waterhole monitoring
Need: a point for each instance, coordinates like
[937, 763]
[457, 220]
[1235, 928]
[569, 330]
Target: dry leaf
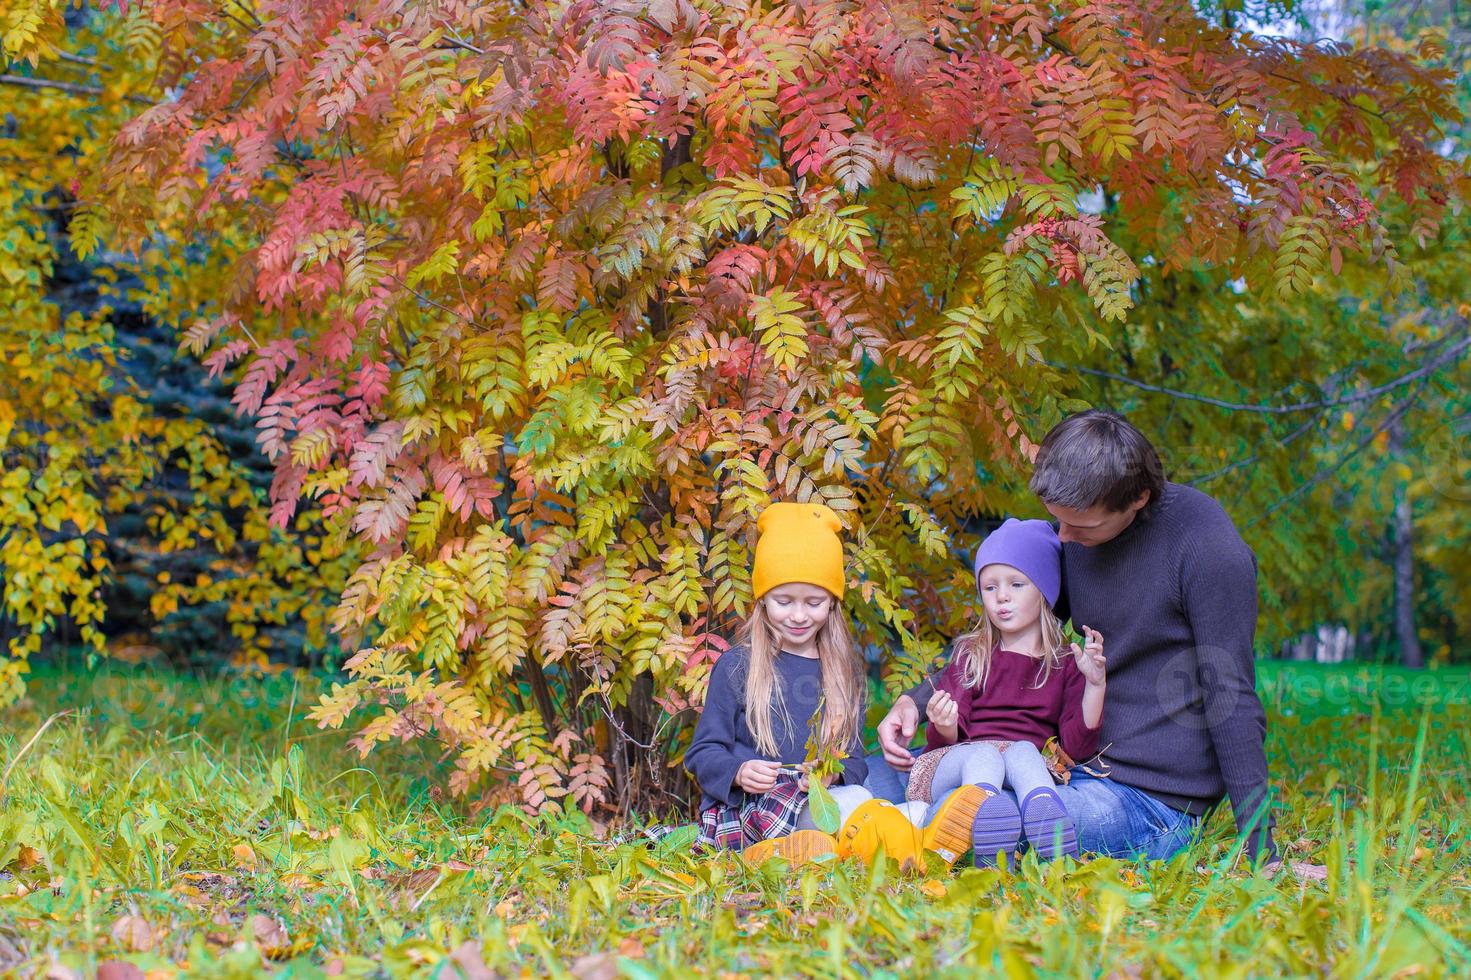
[598, 966]
[27, 858]
[469, 962]
[270, 935]
[933, 888]
[118, 970]
[133, 933]
[10, 957]
[244, 855]
[1307, 871]
[631, 948]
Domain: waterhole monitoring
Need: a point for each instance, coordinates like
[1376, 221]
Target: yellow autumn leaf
[244, 855]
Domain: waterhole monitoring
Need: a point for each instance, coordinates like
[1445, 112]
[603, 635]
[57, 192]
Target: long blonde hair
[973, 650]
[842, 682]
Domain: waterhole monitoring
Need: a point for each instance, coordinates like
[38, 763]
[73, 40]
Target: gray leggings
[848, 799]
[1020, 767]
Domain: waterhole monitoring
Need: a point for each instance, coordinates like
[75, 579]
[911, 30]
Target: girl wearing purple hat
[1010, 686]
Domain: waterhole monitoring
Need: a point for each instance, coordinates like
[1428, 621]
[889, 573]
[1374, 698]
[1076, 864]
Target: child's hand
[1089, 658]
[944, 714]
[757, 775]
[827, 780]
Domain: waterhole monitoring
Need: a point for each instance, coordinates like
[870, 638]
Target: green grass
[202, 828]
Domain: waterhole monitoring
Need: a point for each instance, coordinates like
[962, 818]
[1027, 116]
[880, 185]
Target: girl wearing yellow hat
[797, 679]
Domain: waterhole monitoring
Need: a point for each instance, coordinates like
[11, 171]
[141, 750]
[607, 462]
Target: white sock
[915, 810]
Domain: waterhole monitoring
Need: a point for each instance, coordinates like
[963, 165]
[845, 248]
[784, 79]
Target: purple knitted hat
[1032, 548]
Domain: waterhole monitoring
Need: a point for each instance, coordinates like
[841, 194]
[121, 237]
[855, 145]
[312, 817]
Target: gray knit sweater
[1174, 596]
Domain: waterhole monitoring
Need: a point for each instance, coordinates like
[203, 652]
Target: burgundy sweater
[1013, 708]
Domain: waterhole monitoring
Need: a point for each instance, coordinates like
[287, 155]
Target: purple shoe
[997, 828]
[1050, 830]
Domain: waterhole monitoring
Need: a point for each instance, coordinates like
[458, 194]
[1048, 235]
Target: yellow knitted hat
[798, 543]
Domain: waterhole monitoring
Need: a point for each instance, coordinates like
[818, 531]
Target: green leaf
[680, 839]
[825, 812]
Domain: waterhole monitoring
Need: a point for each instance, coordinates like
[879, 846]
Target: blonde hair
[973, 651]
[842, 682]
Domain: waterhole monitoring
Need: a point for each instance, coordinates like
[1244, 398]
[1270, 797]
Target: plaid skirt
[761, 817]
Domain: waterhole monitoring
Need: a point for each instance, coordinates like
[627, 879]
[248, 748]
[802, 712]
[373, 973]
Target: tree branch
[1291, 437]
[1397, 413]
[1369, 394]
[77, 59]
[70, 88]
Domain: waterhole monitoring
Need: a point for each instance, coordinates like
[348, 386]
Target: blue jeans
[1113, 820]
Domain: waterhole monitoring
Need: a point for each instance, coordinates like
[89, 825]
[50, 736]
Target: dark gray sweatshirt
[1174, 596]
[723, 742]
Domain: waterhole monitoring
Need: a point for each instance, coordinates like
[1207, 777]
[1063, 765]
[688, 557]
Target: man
[1159, 570]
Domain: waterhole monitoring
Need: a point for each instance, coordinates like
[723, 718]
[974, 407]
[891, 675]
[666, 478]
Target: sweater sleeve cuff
[921, 693]
[855, 770]
[1079, 741]
[722, 782]
[1254, 818]
[1260, 846]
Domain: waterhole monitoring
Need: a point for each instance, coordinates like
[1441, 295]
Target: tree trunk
[1404, 561]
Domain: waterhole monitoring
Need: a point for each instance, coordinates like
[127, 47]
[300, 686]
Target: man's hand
[896, 731]
[944, 714]
[1089, 658]
[757, 776]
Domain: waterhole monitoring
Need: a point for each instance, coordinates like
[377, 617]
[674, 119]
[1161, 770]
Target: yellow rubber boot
[880, 824]
[948, 833]
[798, 847]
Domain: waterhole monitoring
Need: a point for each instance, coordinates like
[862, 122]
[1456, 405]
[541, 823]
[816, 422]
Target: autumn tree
[1335, 419]
[543, 302]
[96, 480]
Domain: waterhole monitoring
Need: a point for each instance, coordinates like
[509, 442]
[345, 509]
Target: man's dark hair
[1096, 457]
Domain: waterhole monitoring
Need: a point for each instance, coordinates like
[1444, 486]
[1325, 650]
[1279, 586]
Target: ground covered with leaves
[171, 826]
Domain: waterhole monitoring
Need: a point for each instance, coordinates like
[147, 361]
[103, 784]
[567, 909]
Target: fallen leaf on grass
[25, 859]
[1306, 871]
[631, 948]
[933, 888]
[10, 957]
[244, 855]
[133, 933]
[468, 962]
[270, 935]
[597, 966]
[118, 970]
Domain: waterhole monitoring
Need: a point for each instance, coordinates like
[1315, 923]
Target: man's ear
[1140, 502]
